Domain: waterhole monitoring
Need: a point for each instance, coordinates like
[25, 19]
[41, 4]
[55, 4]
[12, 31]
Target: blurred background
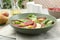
[53, 6]
[7, 4]
[49, 3]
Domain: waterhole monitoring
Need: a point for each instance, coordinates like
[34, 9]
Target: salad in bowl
[32, 23]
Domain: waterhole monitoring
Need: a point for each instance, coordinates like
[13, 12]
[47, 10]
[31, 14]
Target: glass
[15, 10]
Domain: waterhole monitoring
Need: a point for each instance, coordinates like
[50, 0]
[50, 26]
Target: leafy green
[17, 22]
[45, 21]
[20, 3]
[32, 17]
[7, 4]
[48, 22]
[23, 20]
[47, 25]
[30, 0]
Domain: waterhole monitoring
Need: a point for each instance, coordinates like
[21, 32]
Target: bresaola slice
[34, 25]
[28, 23]
[16, 25]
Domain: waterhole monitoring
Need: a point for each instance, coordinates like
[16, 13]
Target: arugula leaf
[45, 21]
[7, 4]
[32, 17]
[23, 20]
[48, 22]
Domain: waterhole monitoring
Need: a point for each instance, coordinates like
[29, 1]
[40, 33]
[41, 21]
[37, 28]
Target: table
[53, 34]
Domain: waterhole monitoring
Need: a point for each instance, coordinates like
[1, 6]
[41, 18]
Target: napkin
[6, 38]
[30, 6]
[8, 31]
[36, 8]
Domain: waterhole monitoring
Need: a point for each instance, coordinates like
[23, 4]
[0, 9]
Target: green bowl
[32, 31]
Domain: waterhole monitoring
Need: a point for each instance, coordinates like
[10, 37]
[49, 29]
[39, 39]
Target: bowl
[31, 31]
[54, 12]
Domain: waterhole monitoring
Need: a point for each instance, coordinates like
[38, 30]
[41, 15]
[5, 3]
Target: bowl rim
[35, 28]
[54, 9]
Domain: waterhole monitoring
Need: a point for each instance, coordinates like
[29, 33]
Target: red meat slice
[16, 25]
[34, 25]
[28, 23]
